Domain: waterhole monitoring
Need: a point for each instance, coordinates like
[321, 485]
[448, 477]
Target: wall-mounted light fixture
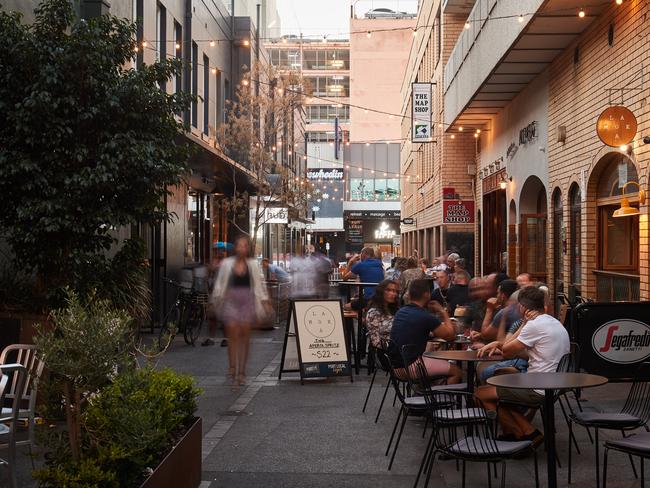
[503, 184]
[626, 209]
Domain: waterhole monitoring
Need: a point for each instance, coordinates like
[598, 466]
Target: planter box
[181, 468]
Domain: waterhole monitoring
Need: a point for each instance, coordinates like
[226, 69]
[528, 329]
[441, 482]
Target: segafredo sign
[622, 341]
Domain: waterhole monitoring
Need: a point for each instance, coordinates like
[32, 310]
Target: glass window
[576, 233]
[380, 189]
[618, 172]
[619, 240]
[392, 189]
[356, 189]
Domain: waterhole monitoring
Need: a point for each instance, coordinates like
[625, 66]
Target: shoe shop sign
[614, 337]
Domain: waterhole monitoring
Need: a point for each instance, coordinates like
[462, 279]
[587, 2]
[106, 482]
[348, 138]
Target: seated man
[495, 310]
[413, 324]
[544, 341]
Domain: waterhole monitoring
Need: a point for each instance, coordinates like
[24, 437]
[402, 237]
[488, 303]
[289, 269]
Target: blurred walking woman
[239, 297]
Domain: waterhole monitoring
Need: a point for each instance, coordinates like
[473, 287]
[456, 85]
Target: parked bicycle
[186, 315]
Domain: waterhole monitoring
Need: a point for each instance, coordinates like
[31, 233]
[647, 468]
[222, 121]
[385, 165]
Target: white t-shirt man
[547, 341]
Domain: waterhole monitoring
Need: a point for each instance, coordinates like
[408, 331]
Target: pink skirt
[238, 306]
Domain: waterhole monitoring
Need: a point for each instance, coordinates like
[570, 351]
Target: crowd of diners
[426, 303]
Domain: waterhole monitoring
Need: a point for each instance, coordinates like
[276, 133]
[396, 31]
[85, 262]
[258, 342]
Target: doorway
[533, 230]
[494, 226]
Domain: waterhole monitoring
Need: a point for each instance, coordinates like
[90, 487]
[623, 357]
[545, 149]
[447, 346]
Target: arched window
[619, 250]
[559, 239]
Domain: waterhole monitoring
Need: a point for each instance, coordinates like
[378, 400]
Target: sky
[316, 18]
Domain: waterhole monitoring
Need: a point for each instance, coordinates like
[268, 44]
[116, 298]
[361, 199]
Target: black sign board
[318, 329]
[408, 221]
[614, 338]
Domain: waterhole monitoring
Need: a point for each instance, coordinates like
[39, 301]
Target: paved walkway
[283, 434]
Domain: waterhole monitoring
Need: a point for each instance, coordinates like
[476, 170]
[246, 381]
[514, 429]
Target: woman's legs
[242, 356]
[232, 333]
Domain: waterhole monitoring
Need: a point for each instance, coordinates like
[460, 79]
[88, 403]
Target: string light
[244, 82]
[368, 35]
[214, 71]
[520, 19]
[460, 129]
[212, 43]
[619, 2]
[178, 46]
[467, 25]
[324, 39]
[453, 136]
[581, 14]
[284, 40]
[246, 43]
[415, 32]
[144, 43]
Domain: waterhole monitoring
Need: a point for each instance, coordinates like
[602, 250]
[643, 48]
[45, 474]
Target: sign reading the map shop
[320, 335]
[458, 211]
[421, 120]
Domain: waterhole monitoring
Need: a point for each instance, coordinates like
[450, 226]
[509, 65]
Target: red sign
[458, 211]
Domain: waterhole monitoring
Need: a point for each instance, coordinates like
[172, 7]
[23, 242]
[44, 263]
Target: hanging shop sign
[421, 119]
[272, 215]
[616, 126]
[325, 174]
[614, 337]
[458, 211]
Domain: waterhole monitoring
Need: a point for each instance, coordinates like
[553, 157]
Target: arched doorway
[617, 259]
[559, 247]
[533, 210]
[575, 237]
[495, 231]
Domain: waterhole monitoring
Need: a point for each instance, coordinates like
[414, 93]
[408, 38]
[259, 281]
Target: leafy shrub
[133, 422]
[84, 474]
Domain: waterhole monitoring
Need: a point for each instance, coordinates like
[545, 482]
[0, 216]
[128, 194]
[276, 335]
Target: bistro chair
[634, 445]
[25, 355]
[468, 434]
[408, 405]
[447, 410]
[12, 376]
[634, 414]
[376, 366]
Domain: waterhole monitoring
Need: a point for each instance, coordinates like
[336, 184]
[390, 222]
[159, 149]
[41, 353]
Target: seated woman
[414, 325]
[382, 309]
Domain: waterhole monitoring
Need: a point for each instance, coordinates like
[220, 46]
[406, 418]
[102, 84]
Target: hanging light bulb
[415, 32]
[581, 14]
[178, 46]
[284, 40]
[619, 2]
[467, 25]
[520, 18]
[214, 71]
[212, 43]
[324, 39]
[368, 34]
[144, 43]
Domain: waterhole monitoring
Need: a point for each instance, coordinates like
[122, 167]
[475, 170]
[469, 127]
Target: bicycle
[187, 314]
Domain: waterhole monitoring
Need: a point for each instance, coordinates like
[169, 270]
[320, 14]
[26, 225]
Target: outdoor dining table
[469, 356]
[549, 382]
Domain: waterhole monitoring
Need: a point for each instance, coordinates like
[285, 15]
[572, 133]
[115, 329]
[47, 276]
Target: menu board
[355, 232]
[320, 332]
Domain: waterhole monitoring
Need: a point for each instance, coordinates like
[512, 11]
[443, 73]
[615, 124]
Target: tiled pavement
[274, 433]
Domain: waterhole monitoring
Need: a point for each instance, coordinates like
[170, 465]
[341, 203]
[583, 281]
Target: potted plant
[124, 425]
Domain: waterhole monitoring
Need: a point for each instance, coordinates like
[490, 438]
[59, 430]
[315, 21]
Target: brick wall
[577, 95]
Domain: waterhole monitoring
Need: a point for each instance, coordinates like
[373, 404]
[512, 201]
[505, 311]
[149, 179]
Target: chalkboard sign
[614, 338]
[320, 338]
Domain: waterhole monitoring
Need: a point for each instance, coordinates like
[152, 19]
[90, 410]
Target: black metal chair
[634, 414]
[409, 405]
[634, 445]
[376, 366]
[16, 376]
[467, 433]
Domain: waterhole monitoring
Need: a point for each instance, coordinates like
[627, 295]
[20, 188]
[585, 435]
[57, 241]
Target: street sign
[408, 221]
[318, 328]
[421, 112]
[614, 338]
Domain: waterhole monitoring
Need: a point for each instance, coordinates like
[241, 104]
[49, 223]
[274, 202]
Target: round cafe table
[469, 356]
[549, 382]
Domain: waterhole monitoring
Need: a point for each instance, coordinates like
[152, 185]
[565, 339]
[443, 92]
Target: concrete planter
[181, 468]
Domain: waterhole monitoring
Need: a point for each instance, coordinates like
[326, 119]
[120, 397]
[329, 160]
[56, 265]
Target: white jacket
[223, 282]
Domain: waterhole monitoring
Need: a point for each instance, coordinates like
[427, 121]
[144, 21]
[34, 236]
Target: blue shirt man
[368, 269]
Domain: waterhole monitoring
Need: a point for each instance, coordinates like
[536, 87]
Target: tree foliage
[87, 143]
[260, 127]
